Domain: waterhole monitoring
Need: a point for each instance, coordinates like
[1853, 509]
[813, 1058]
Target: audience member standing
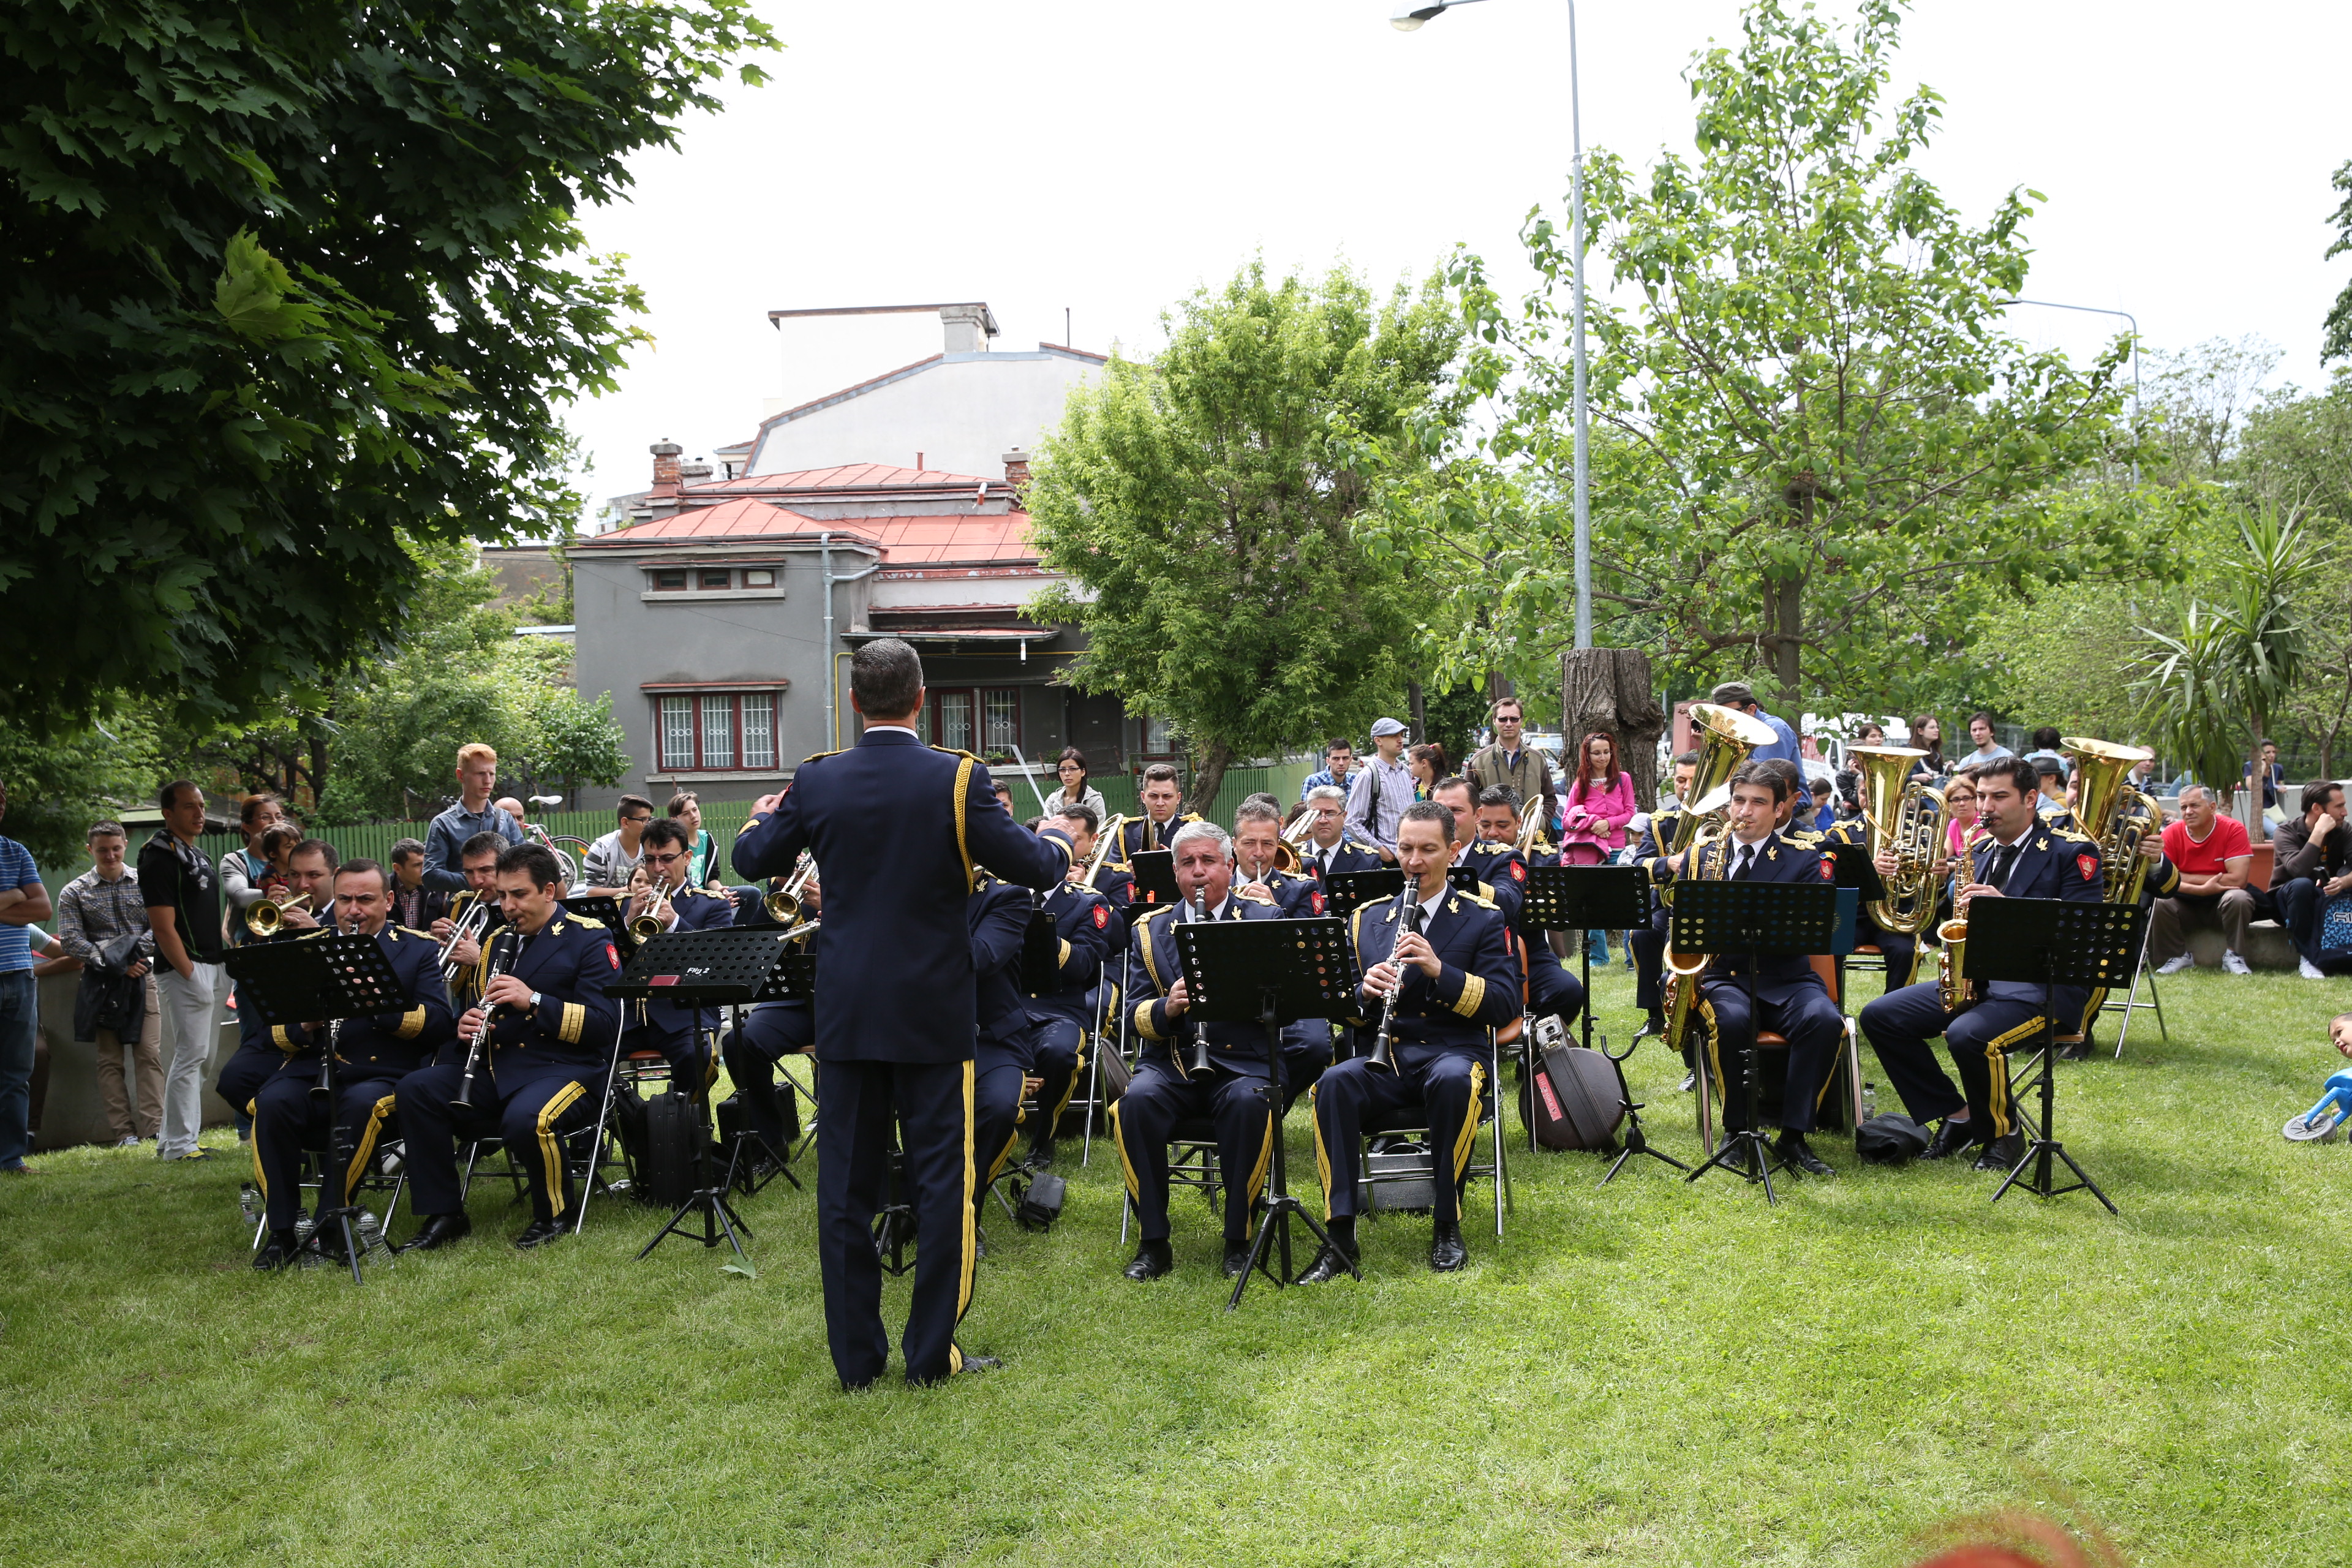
[23, 902]
[1507, 760]
[1339, 761]
[472, 812]
[1597, 806]
[102, 920]
[1927, 734]
[1382, 790]
[1072, 770]
[245, 874]
[1988, 749]
[2045, 748]
[184, 910]
[1739, 695]
[414, 905]
[2213, 858]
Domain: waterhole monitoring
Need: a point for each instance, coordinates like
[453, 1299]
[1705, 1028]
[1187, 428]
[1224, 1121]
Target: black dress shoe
[1330, 1263]
[1951, 1137]
[1690, 1082]
[1652, 1027]
[1237, 1256]
[1448, 1252]
[1152, 1260]
[978, 1363]
[2003, 1153]
[1793, 1149]
[1041, 1157]
[277, 1253]
[539, 1232]
[2075, 1053]
[438, 1230]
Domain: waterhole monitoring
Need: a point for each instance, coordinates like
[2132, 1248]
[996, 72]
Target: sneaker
[2309, 970]
[2175, 965]
[199, 1152]
[128, 1141]
[2232, 965]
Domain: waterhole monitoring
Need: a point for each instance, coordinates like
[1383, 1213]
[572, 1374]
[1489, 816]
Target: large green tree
[284, 285]
[1816, 451]
[1200, 503]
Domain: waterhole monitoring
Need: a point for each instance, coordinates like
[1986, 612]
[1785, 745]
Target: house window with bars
[984, 719]
[719, 731]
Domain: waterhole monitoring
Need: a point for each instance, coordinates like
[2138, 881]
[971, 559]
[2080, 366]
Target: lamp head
[1411, 14]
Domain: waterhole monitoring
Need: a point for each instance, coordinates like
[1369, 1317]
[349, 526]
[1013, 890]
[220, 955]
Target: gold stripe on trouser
[1706, 1011]
[1258, 1178]
[2091, 1010]
[1322, 1155]
[1068, 1093]
[996, 1165]
[367, 1143]
[1467, 1138]
[253, 1147]
[1996, 1058]
[970, 1217]
[550, 1149]
[1126, 1165]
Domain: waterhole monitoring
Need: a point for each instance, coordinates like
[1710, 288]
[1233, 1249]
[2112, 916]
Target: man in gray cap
[1381, 789]
[1738, 694]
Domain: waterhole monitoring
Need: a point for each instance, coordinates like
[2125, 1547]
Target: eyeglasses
[637, 821]
[664, 860]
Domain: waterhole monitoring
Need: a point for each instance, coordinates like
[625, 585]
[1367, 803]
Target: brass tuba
[1683, 969]
[1909, 819]
[1726, 737]
[2113, 813]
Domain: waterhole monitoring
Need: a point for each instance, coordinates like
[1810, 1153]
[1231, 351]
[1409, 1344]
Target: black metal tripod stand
[1637, 1142]
[1280, 1206]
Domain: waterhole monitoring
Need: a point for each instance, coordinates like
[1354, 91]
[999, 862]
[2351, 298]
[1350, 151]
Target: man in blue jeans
[23, 902]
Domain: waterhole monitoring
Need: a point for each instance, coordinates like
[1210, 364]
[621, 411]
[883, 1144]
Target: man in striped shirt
[1382, 790]
[23, 902]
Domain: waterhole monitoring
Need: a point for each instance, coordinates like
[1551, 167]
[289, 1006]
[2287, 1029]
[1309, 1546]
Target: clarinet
[1383, 1057]
[509, 957]
[1197, 1058]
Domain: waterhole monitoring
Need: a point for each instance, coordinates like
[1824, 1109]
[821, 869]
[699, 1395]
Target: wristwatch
[534, 1001]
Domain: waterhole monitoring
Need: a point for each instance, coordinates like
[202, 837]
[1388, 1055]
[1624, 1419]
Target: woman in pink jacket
[1596, 807]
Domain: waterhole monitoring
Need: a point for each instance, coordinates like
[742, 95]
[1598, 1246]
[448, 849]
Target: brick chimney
[1016, 469]
[968, 327]
[666, 479]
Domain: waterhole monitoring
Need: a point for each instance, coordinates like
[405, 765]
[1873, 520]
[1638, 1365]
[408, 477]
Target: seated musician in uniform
[998, 915]
[2017, 855]
[261, 1048]
[1232, 1091]
[1792, 1000]
[372, 1054]
[1330, 847]
[1649, 943]
[1502, 874]
[478, 859]
[1257, 835]
[546, 1056]
[1080, 825]
[659, 889]
[773, 1031]
[1445, 956]
[1061, 1014]
[1157, 827]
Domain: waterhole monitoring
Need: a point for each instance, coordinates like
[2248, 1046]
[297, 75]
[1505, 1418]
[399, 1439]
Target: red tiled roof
[846, 476]
[744, 518]
[905, 540]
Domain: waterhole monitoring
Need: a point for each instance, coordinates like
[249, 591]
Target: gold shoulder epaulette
[952, 752]
[1152, 912]
[818, 758]
[2076, 835]
[1481, 902]
[411, 931]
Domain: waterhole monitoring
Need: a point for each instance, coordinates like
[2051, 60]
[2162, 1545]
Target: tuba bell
[1727, 737]
[1909, 819]
[2112, 813]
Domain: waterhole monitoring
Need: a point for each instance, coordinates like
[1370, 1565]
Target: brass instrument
[1952, 991]
[647, 923]
[1727, 737]
[1531, 825]
[468, 926]
[1908, 819]
[1683, 969]
[783, 904]
[264, 916]
[2113, 813]
[1106, 845]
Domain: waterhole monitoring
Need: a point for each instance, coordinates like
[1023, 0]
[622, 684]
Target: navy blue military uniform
[1305, 1044]
[2049, 862]
[1791, 998]
[540, 1066]
[261, 1050]
[1438, 1038]
[677, 1031]
[372, 1053]
[1503, 878]
[1140, 833]
[1649, 942]
[1348, 855]
[998, 913]
[1060, 1017]
[771, 1031]
[898, 827]
[1233, 1095]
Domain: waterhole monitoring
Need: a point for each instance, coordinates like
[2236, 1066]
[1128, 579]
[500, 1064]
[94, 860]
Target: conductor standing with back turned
[897, 828]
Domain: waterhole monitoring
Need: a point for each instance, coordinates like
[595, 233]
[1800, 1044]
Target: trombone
[783, 904]
[264, 916]
[467, 927]
[1106, 844]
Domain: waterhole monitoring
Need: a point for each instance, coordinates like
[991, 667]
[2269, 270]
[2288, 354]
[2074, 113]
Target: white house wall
[961, 413]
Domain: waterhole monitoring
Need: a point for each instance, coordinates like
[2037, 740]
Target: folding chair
[1496, 1170]
[1192, 1163]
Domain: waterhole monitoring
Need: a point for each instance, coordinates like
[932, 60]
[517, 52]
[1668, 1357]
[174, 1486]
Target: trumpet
[467, 927]
[264, 916]
[784, 903]
[648, 922]
[1106, 844]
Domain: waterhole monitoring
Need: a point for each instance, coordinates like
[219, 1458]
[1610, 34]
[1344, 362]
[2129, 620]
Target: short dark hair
[171, 792]
[406, 849]
[319, 848]
[1001, 787]
[361, 868]
[1761, 771]
[1981, 713]
[628, 802]
[1500, 794]
[104, 829]
[1428, 811]
[886, 677]
[2016, 769]
[481, 844]
[536, 861]
[1159, 773]
[683, 799]
[1343, 746]
[250, 807]
[662, 830]
[2046, 738]
[1455, 781]
[1079, 811]
[1494, 709]
[2315, 793]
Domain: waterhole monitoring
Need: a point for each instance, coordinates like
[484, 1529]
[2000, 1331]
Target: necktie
[2004, 858]
[1747, 863]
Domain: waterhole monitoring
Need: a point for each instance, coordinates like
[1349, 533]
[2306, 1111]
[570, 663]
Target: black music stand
[2051, 943]
[1154, 871]
[1754, 920]
[604, 909]
[339, 975]
[1270, 973]
[1596, 897]
[726, 966]
[1345, 891]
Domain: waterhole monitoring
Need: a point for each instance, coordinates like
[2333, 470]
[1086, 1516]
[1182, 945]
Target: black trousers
[1801, 1012]
[1649, 945]
[1147, 1115]
[932, 1104]
[286, 1118]
[1061, 1057]
[1448, 1090]
[528, 1110]
[996, 1084]
[1900, 1024]
[1553, 987]
[1900, 951]
[772, 1031]
[242, 1076]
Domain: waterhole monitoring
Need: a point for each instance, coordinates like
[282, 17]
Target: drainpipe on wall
[831, 671]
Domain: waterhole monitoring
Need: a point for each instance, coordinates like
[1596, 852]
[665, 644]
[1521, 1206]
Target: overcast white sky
[1107, 156]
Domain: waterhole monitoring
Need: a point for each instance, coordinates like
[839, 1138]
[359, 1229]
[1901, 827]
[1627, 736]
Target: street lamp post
[2101, 310]
[1410, 15]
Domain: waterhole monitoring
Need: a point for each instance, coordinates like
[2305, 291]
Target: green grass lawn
[1650, 1374]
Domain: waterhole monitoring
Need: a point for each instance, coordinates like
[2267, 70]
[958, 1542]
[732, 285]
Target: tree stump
[1609, 689]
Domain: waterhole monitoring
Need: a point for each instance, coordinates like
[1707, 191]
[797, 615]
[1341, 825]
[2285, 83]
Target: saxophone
[1952, 991]
[1683, 969]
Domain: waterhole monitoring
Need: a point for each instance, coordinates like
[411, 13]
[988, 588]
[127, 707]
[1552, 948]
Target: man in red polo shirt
[2213, 856]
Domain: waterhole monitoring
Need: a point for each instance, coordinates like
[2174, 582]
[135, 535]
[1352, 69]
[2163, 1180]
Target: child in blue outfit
[2322, 1119]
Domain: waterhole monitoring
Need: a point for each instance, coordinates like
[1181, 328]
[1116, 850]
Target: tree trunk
[1789, 622]
[1419, 706]
[1609, 689]
[1209, 773]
